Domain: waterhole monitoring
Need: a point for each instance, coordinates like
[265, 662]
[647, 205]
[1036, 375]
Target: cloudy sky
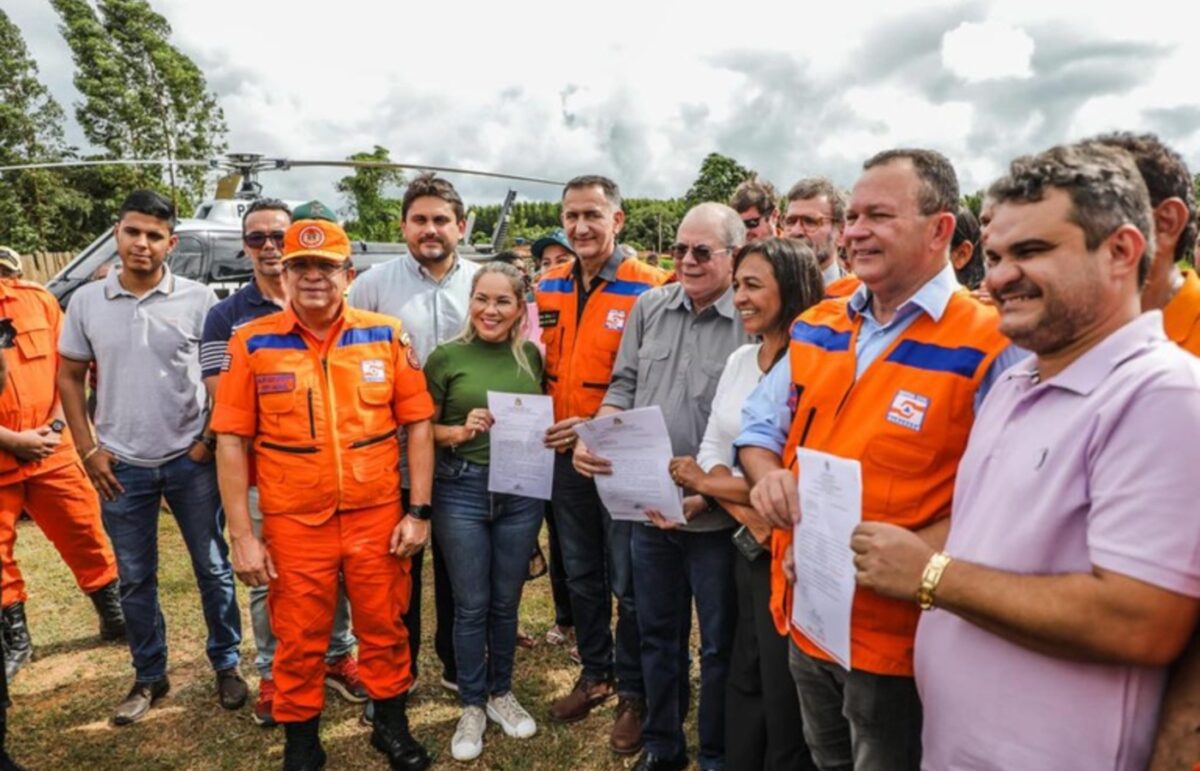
[643, 90]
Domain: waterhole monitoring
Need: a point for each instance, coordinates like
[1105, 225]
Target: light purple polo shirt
[1098, 466]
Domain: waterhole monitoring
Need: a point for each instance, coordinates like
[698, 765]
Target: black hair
[796, 271]
[150, 203]
[265, 204]
[966, 228]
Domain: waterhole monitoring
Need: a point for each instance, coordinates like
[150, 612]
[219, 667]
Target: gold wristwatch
[930, 579]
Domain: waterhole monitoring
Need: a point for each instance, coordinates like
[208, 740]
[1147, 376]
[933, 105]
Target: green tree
[651, 223]
[33, 202]
[371, 215]
[719, 176]
[142, 97]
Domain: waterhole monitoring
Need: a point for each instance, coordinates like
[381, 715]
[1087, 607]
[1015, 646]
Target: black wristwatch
[421, 511]
[208, 441]
[57, 426]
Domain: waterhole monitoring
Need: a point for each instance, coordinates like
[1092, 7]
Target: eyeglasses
[701, 252]
[324, 267]
[257, 240]
[806, 222]
[752, 222]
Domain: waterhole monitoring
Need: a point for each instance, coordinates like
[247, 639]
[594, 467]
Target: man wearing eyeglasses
[756, 202]
[318, 392]
[676, 342]
[816, 214]
[263, 228]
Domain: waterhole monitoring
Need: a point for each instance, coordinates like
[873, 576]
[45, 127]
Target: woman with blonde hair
[486, 537]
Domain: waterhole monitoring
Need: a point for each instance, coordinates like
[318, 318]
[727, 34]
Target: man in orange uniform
[39, 471]
[582, 309]
[317, 392]
[889, 376]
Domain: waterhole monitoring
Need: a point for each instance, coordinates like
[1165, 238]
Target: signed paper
[637, 445]
[520, 463]
[830, 509]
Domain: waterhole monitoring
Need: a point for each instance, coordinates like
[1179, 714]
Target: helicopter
[209, 249]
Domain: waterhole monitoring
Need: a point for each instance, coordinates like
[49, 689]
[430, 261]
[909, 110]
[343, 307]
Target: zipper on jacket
[312, 421]
[372, 440]
[331, 406]
[290, 448]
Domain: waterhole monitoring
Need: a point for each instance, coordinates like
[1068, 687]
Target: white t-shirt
[739, 378]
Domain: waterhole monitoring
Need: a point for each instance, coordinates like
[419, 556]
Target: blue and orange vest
[906, 420]
[582, 347]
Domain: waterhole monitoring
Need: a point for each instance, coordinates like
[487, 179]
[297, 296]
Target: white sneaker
[508, 713]
[467, 743]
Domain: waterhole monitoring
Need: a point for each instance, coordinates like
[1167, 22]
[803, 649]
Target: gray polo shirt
[673, 357]
[431, 311]
[150, 398]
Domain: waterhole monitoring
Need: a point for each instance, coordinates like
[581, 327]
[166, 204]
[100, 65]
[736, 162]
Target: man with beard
[429, 290]
[1071, 576]
[816, 214]
[263, 228]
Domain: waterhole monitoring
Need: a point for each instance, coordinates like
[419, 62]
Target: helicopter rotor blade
[115, 162]
[425, 167]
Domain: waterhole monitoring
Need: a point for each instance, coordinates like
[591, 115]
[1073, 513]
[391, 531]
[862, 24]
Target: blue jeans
[596, 558]
[487, 539]
[132, 524]
[341, 642]
[669, 567]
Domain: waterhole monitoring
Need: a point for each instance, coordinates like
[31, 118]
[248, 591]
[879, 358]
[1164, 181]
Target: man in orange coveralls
[317, 393]
[40, 472]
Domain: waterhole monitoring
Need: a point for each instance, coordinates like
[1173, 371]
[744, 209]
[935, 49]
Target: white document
[637, 445]
[830, 509]
[520, 463]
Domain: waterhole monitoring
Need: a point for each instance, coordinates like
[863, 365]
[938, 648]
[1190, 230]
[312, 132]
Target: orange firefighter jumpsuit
[322, 416]
[55, 491]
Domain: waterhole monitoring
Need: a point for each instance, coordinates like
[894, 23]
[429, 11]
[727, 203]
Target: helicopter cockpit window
[187, 258]
[228, 262]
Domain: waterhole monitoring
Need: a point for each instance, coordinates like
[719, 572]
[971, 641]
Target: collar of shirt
[253, 295]
[833, 272]
[419, 270]
[290, 322]
[1091, 369]
[113, 288]
[607, 273]
[680, 299]
[932, 298]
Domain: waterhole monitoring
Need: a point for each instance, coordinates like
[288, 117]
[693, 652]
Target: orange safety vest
[843, 287]
[582, 347]
[1181, 317]
[323, 414]
[906, 420]
[32, 392]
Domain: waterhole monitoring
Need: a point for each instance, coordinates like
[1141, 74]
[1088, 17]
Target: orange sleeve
[411, 401]
[236, 408]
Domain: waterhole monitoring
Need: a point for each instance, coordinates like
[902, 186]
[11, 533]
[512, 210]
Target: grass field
[63, 699]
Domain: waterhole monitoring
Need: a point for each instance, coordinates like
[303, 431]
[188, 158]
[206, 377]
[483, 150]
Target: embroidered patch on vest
[615, 320]
[547, 319]
[908, 410]
[373, 371]
[275, 382]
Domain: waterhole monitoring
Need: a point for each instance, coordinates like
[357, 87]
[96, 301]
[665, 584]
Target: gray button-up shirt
[431, 311]
[673, 357]
[149, 396]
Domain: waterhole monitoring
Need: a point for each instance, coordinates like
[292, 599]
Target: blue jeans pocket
[449, 467]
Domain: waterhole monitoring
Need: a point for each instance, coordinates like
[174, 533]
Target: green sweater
[460, 374]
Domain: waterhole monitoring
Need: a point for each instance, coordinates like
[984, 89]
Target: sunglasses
[701, 252]
[324, 267]
[257, 240]
[752, 222]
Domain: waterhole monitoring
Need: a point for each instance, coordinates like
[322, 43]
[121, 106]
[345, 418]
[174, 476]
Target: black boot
[18, 648]
[107, 600]
[391, 735]
[302, 749]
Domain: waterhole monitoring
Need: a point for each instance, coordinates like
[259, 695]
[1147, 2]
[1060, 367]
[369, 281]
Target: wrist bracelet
[930, 579]
[95, 449]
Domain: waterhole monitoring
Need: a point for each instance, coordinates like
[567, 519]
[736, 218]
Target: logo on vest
[908, 410]
[275, 382]
[615, 320]
[373, 371]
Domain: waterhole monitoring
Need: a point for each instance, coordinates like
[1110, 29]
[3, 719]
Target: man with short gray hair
[676, 342]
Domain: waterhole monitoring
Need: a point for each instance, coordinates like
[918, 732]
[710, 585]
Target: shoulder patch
[547, 318]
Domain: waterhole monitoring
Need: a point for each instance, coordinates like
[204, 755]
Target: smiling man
[1070, 578]
[889, 376]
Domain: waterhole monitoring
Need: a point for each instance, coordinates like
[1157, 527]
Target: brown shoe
[583, 697]
[626, 736]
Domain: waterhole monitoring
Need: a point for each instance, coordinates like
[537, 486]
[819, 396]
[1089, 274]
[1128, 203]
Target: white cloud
[987, 51]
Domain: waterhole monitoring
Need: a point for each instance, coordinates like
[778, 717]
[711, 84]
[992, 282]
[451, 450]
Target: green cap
[313, 210]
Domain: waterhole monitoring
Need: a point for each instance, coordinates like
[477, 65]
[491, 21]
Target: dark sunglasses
[701, 252]
[752, 222]
[257, 240]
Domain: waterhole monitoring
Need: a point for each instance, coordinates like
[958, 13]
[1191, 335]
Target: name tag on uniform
[547, 319]
[275, 382]
[373, 371]
[615, 320]
[908, 410]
